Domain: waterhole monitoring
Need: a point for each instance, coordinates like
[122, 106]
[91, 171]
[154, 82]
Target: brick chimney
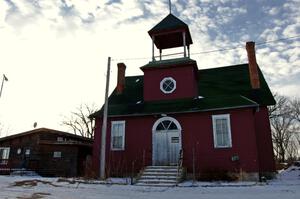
[121, 78]
[253, 67]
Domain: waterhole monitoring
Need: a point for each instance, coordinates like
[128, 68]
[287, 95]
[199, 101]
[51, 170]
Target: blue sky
[54, 52]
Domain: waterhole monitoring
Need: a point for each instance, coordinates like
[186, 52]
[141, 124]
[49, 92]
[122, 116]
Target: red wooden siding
[264, 141]
[186, 84]
[197, 135]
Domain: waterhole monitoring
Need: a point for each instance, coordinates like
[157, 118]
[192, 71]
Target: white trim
[123, 137]
[222, 116]
[162, 83]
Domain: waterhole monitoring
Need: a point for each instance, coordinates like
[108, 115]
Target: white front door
[166, 141]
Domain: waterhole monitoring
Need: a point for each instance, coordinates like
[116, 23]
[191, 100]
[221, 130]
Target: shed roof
[45, 130]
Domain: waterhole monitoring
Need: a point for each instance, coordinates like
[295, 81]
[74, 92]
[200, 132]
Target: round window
[168, 85]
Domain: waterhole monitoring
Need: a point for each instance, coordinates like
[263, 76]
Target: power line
[277, 40]
[216, 50]
[257, 44]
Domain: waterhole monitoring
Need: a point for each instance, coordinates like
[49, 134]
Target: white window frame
[222, 116]
[111, 136]
[7, 149]
[57, 154]
[4, 160]
[162, 83]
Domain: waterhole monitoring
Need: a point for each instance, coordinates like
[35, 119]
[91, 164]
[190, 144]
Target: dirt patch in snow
[31, 183]
[70, 181]
[35, 196]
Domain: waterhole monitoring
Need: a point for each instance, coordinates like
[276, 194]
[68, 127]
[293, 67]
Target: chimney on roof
[121, 78]
[253, 67]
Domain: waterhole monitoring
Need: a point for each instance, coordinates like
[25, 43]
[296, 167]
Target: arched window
[166, 124]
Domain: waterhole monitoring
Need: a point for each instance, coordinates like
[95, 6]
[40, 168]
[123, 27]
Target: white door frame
[154, 131]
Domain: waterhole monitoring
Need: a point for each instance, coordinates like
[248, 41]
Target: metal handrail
[179, 164]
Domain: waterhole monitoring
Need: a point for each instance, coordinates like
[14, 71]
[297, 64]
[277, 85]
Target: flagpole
[3, 79]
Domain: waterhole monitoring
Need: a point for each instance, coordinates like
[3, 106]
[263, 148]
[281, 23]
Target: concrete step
[159, 177]
[162, 167]
[161, 170]
[155, 185]
[157, 181]
[160, 173]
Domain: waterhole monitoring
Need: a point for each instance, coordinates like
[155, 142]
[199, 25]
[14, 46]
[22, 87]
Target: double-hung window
[4, 155]
[57, 154]
[117, 135]
[222, 131]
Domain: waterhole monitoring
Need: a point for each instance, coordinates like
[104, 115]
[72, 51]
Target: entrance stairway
[160, 176]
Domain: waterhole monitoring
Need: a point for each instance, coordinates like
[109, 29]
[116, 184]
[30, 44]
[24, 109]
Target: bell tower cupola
[171, 32]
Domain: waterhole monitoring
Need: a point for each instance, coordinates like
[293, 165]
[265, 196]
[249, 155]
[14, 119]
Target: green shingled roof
[168, 23]
[169, 62]
[221, 88]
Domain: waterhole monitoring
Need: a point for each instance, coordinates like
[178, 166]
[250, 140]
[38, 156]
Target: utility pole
[104, 124]
[3, 79]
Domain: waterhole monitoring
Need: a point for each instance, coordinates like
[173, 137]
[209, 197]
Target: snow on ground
[287, 185]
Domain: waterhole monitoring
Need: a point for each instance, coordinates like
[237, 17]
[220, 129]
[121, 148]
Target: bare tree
[280, 108]
[296, 108]
[80, 122]
[296, 114]
[284, 127]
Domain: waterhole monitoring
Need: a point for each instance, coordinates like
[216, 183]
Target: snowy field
[287, 186]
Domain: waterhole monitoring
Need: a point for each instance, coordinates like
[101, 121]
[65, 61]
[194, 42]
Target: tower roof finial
[170, 6]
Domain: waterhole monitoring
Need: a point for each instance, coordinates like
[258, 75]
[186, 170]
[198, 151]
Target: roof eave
[191, 111]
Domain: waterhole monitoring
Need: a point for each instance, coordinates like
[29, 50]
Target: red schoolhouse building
[217, 117]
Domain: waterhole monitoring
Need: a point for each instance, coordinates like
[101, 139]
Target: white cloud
[274, 11]
[291, 30]
[56, 59]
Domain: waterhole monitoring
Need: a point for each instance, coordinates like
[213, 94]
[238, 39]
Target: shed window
[222, 131]
[4, 155]
[19, 151]
[57, 154]
[60, 139]
[117, 135]
[27, 152]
